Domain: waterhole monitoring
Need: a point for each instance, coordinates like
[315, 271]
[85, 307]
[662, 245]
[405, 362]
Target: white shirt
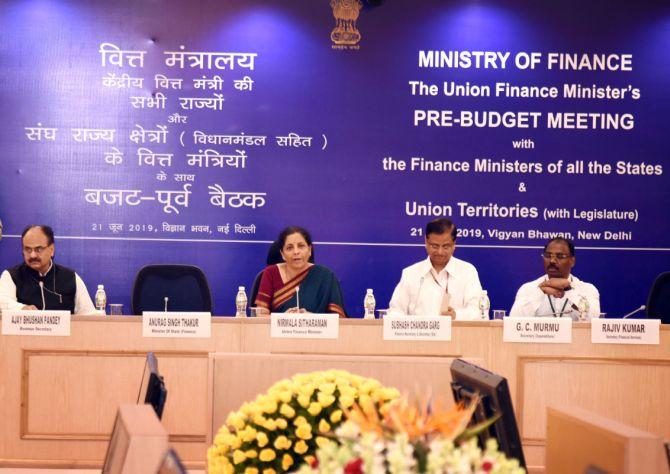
[82, 300]
[421, 289]
[531, 301]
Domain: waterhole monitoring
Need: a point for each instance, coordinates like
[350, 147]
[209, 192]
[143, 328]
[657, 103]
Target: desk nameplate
[36, 323]
[304, 326]
[625, 331]
[537, 330]
[417, 328]
[176, 324]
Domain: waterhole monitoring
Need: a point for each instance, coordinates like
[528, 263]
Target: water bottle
[484, 305]
[101, 299]
[241, 303]
[369, 304]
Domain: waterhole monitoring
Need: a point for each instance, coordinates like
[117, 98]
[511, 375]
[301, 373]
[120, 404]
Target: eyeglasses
[557, 256]
[37, 250]
[436, 247]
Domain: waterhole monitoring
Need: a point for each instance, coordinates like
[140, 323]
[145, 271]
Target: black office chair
[254, 288]
[658, 303]
[185, 286]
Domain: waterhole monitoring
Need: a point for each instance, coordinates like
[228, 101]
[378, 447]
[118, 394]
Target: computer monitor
[152, 387]
[469, 379]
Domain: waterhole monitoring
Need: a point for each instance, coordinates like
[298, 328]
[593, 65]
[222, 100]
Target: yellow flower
[304, 400]
[327, 388]
[282, 442]
[299, 421]
[307, 389]
[236, 420]
[233, 441]
[347, 391]
[269, 405]
[322, 442]
[269, 471]
[336, 416]
[287, 411]
[270, 425]
[251, 453]
[247, 408]
[285, 396]
[325, 399]
[314, 408]
[309, 459]
[259, 420]
[281, 423]
[267, 455]
[324, 427]
[222, 431]
[251, 470]
[389, 393]
[369, 385]
[247, 434]
[304, 431]
[262, 439]
[346, 401]
[300, 447]
[238, 456]
[228, 469]
[286, 462]
[365, 400]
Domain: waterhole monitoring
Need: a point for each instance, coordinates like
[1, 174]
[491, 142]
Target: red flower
[354, 467]
[487, 466]
[315, 463]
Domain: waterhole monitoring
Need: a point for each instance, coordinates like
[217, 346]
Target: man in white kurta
[441, 284]
[558, 293]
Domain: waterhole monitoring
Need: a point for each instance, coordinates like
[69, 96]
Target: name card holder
[417, 328]
[537, 330]
[36, 323]
[304, 326]
[176, 324]
[625, 331]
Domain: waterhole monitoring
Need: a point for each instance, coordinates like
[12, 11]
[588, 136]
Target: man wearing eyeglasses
[39, 283]
[558, 293]
[441, 284]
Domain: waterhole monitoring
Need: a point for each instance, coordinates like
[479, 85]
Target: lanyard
[553, 310]
[446, 290]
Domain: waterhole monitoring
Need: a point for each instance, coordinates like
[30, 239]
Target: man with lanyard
[558, 293]
[39, 283]
[441, 284]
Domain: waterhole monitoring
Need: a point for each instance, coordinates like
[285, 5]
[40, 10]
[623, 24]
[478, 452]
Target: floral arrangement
[408, 439]
[283, 428]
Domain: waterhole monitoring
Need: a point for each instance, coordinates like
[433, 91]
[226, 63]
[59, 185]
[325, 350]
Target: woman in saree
[296, 284]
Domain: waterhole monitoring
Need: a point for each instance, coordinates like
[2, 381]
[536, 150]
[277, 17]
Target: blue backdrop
[137, 159]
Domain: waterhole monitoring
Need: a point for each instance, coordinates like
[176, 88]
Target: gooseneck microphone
[412, 309]
[41, 283]
[641, 308]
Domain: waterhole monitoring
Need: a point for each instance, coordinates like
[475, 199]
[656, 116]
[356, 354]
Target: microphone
[418, 294]
[44, 304]
[60, 297]
[641, 308]
[165, 299]
[297, 298]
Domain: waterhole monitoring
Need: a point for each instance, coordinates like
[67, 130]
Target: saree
[319, 291]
